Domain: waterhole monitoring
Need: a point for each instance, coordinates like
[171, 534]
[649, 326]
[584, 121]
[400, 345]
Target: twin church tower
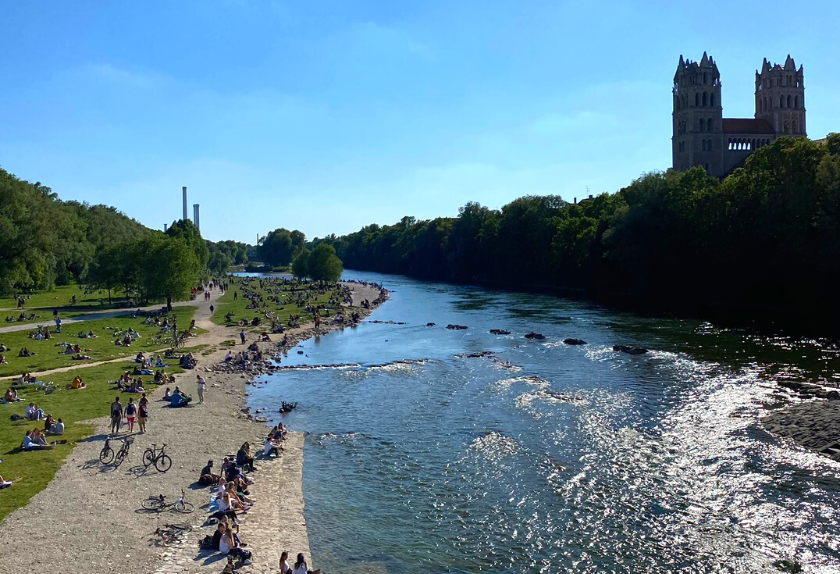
[702, 136]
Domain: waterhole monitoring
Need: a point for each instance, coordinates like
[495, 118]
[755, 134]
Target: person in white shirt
[199, 388]
[271, 447]
[302, 568]
[57, 427]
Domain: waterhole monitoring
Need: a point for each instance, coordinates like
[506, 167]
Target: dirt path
[86, 520]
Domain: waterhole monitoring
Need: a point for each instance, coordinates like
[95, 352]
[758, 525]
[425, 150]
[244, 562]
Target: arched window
[702, 125]
[696, 100]
[705, 95]
[788, 101]
[710, 125]
[712, 100]
[781, 101]
[796, 102]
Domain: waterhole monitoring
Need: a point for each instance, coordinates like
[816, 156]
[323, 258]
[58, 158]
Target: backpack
[130, 409]
[144, 411]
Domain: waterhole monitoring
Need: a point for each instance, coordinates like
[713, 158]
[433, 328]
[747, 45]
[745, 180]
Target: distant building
[702, 136]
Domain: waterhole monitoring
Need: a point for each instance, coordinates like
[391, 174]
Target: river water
[545, 457]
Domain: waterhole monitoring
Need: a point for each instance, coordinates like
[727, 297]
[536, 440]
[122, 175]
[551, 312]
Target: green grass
[226, 304]
[60, 297]
[48, 356]
[32, 471]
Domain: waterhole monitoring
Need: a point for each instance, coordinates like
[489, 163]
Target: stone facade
[702, 136]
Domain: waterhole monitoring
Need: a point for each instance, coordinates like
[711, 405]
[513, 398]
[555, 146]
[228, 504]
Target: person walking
[142, 413]
[199, 388]
[130, 413]
[116, 415]
[242, 336]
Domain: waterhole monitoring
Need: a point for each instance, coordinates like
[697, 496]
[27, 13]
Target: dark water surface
[552, 458]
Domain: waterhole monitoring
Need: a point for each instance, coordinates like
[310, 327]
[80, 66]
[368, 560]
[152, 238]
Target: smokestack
[195, 216]
[165, 227]
[185, 203]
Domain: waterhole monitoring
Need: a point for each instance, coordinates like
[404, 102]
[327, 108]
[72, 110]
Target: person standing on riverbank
[116, 415]
[199, 388]
[242, 336]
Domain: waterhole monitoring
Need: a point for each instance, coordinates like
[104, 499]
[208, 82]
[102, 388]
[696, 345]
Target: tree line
[764, 243]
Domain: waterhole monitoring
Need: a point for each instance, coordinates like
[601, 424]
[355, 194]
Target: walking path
[86, 519]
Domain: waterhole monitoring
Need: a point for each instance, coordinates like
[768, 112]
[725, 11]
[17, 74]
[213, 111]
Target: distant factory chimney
[185, 203]
[165, 227]
[195, 216]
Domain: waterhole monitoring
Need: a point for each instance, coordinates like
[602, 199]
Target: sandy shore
[86, 520]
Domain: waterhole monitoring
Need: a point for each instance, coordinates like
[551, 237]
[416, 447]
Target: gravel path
[85, 521]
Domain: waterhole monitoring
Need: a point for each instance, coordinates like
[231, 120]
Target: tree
[186, 230]
[172, 268]
[281, 246]
[300, 266]
[323, 264]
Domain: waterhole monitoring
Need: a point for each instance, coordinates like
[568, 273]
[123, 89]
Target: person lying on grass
[5, 483]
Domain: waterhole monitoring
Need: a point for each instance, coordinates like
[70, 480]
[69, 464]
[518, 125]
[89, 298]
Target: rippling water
[545, 457]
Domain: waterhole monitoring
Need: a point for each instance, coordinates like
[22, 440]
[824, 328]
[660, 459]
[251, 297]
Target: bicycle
[156, 457]
[171, 533]
[158, 503]
[106, 455]
[122, 454]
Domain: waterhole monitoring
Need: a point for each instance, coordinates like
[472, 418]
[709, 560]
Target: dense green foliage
[224, 254]
[766, 240]
[44, 241]
[281, 246]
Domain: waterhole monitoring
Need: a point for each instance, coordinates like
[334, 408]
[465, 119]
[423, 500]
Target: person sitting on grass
[24, 352]
[3, 360]
[244, 458]
[39, 443]
[33, 413]
[48, 422]
[11, 395]
[80, 357]
[76, 384]
[161, 378]
[271, 447]
[57, 428]
[68, 350]
[140, 357]
[159, 364]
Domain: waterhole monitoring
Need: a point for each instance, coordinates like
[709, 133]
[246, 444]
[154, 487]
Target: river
[546, 457]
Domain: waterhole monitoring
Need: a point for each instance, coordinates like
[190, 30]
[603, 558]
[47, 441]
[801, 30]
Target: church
[702, 136]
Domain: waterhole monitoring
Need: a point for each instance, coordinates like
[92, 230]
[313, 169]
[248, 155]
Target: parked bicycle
[108, 456]
[159, 504]
[171, 534]
[156, 457]
[122, 454]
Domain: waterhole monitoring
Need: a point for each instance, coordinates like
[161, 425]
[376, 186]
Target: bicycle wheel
[148, 457]
[151, 503]
[119, 458]
[183, 506]
[163, 463]
[106, 456]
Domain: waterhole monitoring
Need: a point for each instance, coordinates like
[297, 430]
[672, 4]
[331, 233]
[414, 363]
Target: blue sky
[330, 115]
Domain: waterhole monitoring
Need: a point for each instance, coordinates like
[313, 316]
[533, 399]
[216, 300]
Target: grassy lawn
[271, 290]
[60, 297]
[48, 355]
[32, 471]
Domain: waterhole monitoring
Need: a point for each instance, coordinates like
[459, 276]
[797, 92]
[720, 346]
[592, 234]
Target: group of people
[131, 412]
[35, 439]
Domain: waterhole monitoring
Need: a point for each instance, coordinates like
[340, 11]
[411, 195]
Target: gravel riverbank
[86, 520]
